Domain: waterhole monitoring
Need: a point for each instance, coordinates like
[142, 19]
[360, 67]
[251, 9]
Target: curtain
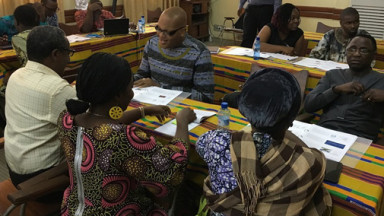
[134, 9]
[8, 6]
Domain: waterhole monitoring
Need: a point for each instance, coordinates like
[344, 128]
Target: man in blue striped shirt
[174, 60]
[257, 14]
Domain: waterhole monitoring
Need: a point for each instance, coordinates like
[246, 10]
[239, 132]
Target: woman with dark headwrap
[283, 34]
[268, 171]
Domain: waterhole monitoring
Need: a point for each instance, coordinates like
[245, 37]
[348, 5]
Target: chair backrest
[302, 77]
[69, 29]
[322, 28]
[153, 15]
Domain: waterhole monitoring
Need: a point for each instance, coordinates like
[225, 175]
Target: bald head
[176, 15]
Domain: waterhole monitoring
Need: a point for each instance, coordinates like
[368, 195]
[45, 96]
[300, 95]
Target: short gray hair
[42, 40]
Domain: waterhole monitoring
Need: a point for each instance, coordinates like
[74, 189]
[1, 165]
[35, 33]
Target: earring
[115, 112]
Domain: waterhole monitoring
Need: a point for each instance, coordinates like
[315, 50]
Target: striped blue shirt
[187, 68]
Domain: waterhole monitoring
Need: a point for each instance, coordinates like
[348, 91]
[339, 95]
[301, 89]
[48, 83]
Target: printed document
[155, 95]
[333, 144]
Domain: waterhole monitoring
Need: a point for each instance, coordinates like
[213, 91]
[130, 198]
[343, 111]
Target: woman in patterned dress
[115, 168]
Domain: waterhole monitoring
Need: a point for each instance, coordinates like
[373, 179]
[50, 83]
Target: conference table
[358, 192]
[313, 38]
[128, 46]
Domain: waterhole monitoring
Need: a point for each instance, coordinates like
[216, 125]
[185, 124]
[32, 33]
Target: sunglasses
[168, 33]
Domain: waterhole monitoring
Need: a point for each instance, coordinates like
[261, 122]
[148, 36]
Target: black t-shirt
[291, 40]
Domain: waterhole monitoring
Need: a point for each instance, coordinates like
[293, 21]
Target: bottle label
[223, 121]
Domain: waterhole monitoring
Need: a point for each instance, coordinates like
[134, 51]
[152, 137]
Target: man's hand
[161, 112]
[145, 82]
[355, 88]
[373, 95]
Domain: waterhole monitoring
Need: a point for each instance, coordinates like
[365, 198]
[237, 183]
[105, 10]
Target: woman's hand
[185, 116]
[288, 51]
[161, 112]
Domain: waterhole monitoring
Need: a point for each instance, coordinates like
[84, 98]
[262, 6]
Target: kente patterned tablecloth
[128, 46]
[358, 192]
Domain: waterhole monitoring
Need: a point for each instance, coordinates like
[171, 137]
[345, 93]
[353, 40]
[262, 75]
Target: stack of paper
[169, 128]
[241, 51]
[155, 95]
[332, 143]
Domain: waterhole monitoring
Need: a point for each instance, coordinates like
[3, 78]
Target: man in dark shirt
[351, 99]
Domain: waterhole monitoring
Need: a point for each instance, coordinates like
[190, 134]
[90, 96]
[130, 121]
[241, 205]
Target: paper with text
[155, 95]
[333, 144]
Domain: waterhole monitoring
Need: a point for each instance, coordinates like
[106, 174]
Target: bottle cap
[224, 105]
[258, 38]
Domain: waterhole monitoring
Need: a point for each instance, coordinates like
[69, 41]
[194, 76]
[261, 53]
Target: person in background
[50, 9]
[257, 14]
[114, 166]
[92, 19]
[283, 34]
[174, 60]
[35, 96]
[352, 99]
[47, 13]
[333, 44]
[271, 171]
[26, 18]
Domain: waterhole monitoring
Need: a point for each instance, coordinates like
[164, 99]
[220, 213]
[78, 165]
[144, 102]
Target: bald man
[174, 60]
[92, 19]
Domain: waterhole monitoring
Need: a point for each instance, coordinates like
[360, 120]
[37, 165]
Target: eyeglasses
[294, 18]
[168, 33]
[71, 52]
[363, 51]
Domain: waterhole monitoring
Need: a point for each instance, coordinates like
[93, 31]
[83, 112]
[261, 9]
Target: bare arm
[299, 46]
[264, 35]
[89, 18]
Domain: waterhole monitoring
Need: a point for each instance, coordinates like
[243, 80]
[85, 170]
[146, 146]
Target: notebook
[116, 26]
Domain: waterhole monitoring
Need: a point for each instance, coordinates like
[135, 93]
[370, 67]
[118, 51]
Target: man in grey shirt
[351, 99]
[257, 14]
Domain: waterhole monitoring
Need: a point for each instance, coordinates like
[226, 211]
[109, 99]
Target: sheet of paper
[201, 115]
[241, 51]
[300, 128]
[169, 128]
[280, 56]
[332, 143]
[76, 38]
[155, 95]
[320, 64]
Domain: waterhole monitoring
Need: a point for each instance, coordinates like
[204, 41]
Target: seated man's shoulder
[196, 44]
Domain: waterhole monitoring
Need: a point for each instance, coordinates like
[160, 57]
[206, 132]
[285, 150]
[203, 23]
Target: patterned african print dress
[122, 169]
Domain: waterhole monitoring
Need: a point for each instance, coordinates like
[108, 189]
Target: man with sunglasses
[35, 96]
[174, 60]
[352, 99]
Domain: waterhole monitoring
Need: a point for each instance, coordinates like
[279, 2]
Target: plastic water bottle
[223, 116]
[140, 26]
[143, 23]
[256, 53]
